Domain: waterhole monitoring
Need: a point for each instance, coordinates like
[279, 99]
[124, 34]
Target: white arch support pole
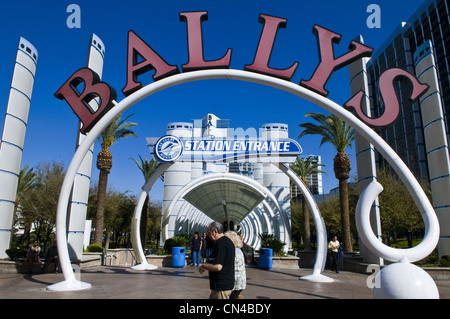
[431, 224]
[141, 261]
[321, 253]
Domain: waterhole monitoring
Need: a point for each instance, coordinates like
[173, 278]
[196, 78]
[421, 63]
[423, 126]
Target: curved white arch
[362, 218]
[321, 253]
[430, 220]
[141, 261]
[268, 223]
[256, 222]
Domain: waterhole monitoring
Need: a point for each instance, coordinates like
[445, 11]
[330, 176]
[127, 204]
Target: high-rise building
[429, 22]
[420, 136]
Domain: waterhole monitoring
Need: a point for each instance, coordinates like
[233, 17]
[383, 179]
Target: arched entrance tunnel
[234, 200]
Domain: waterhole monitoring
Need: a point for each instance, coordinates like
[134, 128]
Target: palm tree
[147, 168]
[335, 131]
[27, 181]
[304, 168]
[115, 131]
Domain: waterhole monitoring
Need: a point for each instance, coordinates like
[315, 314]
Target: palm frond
[117, 130]
[332, 129]
[147, 168]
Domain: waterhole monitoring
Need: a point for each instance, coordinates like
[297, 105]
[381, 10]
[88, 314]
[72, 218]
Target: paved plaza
[116, 282]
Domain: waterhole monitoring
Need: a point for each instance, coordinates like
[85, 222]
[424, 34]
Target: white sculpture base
[317, 278]
[144, 266]
[403, 280]
[69, 285]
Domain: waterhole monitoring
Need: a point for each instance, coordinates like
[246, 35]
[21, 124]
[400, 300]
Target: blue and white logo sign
[168, 148]
[171, 148]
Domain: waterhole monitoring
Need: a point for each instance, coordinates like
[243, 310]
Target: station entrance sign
[170, 148]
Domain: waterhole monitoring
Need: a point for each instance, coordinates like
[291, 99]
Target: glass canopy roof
[225, 200]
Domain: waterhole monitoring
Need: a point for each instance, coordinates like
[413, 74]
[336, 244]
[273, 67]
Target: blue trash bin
[265, 258]
[178, 256]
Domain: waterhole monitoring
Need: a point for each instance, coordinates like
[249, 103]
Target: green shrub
[16, 253]
[183, 240]
[270, 241]
[445, 261]
[161, 252]
[95, 248]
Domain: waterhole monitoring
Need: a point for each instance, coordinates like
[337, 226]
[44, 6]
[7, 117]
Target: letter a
[74, 19]
[79, 101]
[151, 60]
[373, 20]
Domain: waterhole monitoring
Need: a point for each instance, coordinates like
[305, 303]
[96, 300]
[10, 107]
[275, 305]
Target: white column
[80, 193]
[436, 142]
[13, 137]
[278, 183]
[175, 178]
[365, 153]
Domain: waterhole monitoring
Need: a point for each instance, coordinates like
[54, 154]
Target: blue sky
[52, 126]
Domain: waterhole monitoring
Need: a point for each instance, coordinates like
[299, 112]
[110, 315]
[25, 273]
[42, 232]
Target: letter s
[391, 103]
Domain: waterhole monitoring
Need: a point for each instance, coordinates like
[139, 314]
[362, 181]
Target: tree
[147, 168]
[335, 131]
[304, 168]
[28, 180]
[40, 204]
[398, 212]
[330, 211]
[119, 209]
[154, 223]
[115, 131]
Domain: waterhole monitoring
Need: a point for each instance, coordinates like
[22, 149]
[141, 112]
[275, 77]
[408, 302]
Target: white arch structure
[431, 236]
[248, 225]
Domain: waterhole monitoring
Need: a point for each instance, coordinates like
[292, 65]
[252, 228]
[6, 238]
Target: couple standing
[227, 274]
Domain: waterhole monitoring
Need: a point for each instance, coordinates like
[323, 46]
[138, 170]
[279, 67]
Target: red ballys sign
[142, 58]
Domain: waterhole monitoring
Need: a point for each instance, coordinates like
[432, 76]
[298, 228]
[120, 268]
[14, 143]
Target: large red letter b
[79, 101]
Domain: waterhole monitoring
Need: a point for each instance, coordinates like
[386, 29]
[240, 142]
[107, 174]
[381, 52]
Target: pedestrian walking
[221, 271]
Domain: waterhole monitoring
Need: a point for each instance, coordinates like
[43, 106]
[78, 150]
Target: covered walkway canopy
[231, 199]
[225, 200]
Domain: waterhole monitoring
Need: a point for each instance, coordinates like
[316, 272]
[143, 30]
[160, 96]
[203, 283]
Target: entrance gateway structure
[143, 58]
[405, 256]
[197, 160]
[254, 200]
